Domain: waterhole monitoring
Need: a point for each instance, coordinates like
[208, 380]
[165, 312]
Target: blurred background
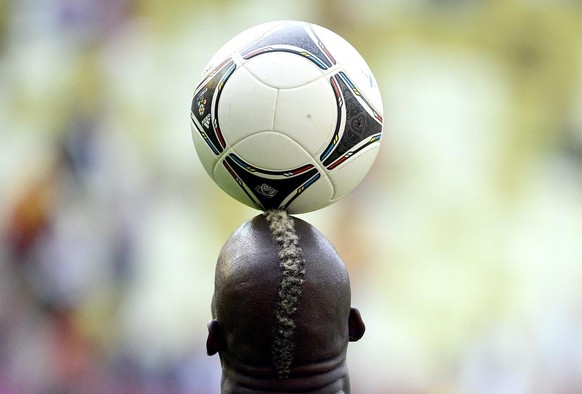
[464, 243]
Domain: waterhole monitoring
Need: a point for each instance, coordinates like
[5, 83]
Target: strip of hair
[293, 268]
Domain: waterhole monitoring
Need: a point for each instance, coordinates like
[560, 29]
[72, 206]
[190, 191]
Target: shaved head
[281, 301]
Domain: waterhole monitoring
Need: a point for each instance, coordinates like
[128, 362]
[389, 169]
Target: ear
[356, 325]
[215, 339]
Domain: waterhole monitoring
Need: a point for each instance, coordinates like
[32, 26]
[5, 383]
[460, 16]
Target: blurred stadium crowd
[464, 243]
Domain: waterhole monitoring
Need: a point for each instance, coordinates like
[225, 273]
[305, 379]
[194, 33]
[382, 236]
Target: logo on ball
[266, 190]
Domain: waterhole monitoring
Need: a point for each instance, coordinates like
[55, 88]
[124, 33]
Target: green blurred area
[463, 242]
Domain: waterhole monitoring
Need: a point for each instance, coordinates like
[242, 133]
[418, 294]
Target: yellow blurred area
[463, 242]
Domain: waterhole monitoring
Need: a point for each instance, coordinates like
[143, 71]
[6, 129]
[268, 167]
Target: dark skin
[246, 285]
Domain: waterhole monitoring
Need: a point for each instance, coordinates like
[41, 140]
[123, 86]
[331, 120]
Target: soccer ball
[287, 115]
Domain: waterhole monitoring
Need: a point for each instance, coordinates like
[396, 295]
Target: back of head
[282, 297]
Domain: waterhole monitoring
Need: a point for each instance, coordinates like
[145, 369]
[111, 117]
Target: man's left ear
[215, 339]
[356, 325]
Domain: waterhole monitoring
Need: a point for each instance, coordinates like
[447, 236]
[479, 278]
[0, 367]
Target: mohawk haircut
[293, 269]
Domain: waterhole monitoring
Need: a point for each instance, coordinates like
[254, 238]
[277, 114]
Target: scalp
[247, 295]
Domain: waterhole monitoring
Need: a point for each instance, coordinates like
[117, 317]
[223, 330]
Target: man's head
[281, 307]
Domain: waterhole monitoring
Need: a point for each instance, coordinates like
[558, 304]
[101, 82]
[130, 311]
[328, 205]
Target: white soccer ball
[287, 115]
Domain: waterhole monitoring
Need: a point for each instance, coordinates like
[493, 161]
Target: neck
[323, 377]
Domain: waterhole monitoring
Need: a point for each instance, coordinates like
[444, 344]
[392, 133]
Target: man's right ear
[215, 339]
[356, 325]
